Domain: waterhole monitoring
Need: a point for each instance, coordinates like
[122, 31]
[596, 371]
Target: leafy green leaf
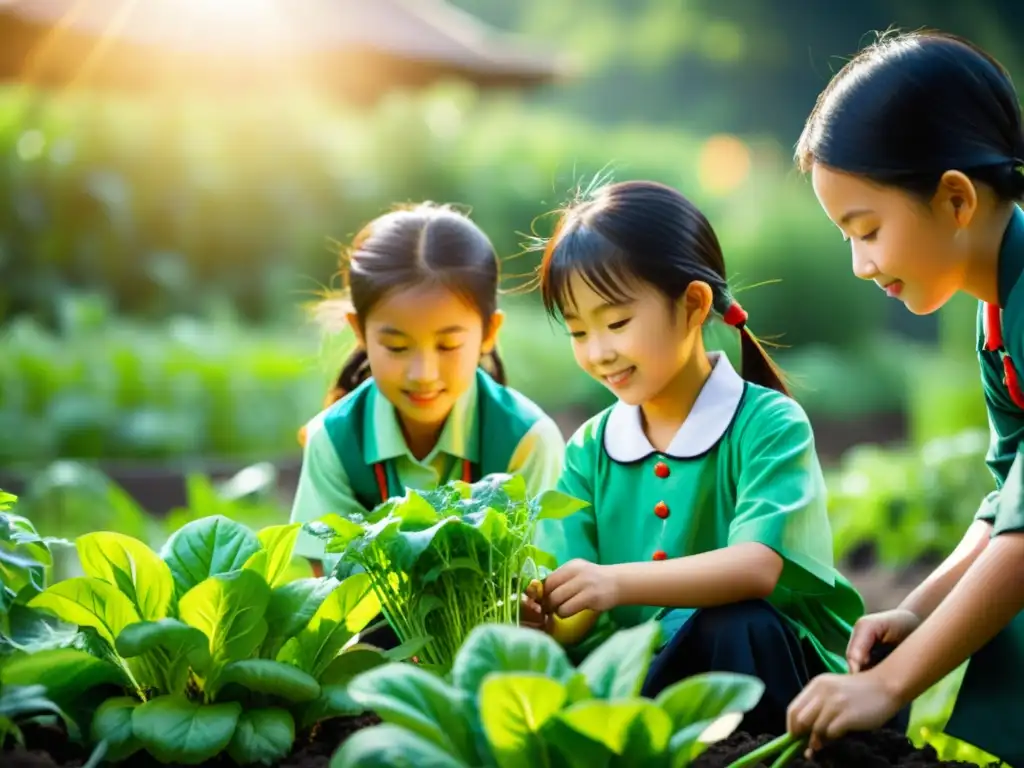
[707, 696]
[502, 648]
[706, 708]
[616, 669]
[88, 602]
[132, 567]
[333, 701]
[228, 608]
[335, 529]
[113, 724]
[262, 736]
[415, 512]
[513, 708]
[555, 505]
[406, 650]
[637, 727]
[176, 730]
[258, 563]
[351, 663]
[31, 630]
[346, 611]
[65, 673]
[408, 696]
[270, 677]
[290, 609]
[390, 746]
[175, 647]
[207, 547]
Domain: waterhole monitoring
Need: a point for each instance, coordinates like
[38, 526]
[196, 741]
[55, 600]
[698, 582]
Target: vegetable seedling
[786, 747]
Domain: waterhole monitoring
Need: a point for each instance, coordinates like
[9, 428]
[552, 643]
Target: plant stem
[783, 760]
[784, 743]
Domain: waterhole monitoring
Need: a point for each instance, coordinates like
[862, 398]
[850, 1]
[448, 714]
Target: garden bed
[878, 749]
[48, 748]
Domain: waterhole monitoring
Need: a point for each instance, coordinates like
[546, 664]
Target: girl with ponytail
[916, 153]
[707, 502]
[422, 400]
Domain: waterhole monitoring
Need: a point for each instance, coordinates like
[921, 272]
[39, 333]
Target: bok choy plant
[514, 700]
[445, 561]
[206, 647]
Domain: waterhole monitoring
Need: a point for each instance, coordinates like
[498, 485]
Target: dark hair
[910, 107]
[643, 230]
[420, 245]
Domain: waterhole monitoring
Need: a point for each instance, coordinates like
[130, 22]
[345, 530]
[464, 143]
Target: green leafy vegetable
[262, 736]
[207, 547]
[229, 609]
[515, 701]
[191, 674]
[113, 725]
[132, 567]
[175, 729]
[445, 561]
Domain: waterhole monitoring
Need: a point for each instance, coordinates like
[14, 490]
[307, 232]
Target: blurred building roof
[350, 47]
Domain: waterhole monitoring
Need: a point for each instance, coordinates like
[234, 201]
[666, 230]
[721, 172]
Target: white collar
[712, 413]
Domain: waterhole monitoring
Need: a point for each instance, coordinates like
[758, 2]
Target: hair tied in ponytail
[735, 316]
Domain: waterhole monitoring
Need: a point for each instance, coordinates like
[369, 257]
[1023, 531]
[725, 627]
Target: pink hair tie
[735, 315]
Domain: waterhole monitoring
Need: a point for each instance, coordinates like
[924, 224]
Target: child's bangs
[603, 267]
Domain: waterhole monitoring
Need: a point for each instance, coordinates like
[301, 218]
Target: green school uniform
[491, 429]
[742, 468]
[988, 708]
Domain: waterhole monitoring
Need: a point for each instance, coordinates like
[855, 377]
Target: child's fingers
[531, 606]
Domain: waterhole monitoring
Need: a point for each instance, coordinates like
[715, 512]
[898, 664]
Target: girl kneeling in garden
[422, 401]
[916, 153]
[708, 508]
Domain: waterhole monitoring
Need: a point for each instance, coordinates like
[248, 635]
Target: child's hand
[833, 705]
[888, 628]
[531, 614]
[580, 585]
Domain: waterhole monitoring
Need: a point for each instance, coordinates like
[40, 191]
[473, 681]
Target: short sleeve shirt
[324, 487]
[742, 468]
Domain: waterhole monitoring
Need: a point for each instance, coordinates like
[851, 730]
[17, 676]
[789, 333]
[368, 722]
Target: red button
[661, 470]
[661, 509]
[659, 555]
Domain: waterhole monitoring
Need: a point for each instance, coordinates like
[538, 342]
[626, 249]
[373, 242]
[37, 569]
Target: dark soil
[879, 749]
[50, 748]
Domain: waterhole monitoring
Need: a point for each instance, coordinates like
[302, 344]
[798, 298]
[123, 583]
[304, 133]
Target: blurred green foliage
[908, 503]
[185, 208]
[103, 388]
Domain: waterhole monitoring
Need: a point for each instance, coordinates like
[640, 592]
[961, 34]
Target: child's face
[908, 249]
[637, 348]
[424, 345]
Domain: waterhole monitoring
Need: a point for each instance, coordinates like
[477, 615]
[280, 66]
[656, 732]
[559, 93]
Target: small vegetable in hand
[566, 631]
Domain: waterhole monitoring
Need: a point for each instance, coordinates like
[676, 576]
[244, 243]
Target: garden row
[218, 650]
[122, 392]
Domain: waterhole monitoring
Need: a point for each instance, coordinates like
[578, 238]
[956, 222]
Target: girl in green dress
[916, 153]
[707, 503]
[414, 405]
